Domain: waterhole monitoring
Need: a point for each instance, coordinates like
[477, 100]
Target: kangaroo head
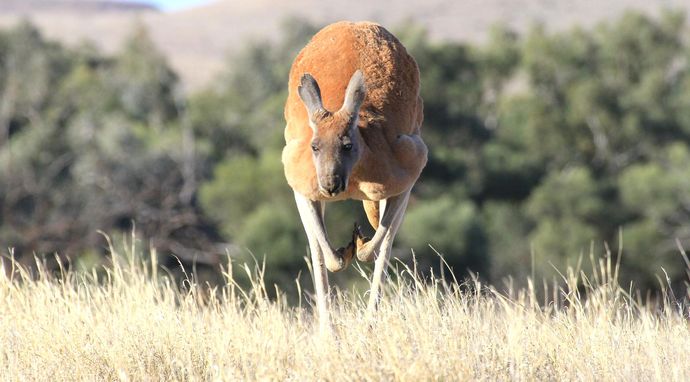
[335, 143]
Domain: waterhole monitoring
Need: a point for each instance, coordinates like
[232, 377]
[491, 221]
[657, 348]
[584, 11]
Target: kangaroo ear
[355, 93]
[310, 94]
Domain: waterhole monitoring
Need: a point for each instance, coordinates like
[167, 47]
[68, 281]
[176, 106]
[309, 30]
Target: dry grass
[134, 324]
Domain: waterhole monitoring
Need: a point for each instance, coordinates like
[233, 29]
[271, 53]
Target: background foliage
[542, 146]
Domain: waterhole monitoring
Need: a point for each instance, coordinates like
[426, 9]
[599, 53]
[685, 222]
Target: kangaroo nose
[333, 184]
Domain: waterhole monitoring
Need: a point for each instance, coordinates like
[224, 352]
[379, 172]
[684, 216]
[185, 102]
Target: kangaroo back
[391, 77]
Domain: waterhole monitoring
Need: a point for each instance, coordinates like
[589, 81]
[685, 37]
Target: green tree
[147, 87]
[76, 160]
[657, 193]
[449, 227]
[565, 209]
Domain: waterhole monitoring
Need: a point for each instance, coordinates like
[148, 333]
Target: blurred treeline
[543, 147]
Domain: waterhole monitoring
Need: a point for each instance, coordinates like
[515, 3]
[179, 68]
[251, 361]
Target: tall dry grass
[132, 323]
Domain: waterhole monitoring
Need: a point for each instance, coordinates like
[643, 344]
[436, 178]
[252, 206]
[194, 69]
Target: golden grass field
[131, 322]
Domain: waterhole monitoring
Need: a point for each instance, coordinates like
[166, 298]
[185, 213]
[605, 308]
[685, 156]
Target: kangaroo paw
[347, 253]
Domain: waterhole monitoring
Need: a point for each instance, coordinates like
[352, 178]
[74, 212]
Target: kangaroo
[353, 116]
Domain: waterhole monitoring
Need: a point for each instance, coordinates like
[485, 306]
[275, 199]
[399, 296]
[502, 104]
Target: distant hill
[31, 6]
[197, 40]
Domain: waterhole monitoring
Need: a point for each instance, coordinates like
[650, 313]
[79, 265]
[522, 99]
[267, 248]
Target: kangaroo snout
[332, 185]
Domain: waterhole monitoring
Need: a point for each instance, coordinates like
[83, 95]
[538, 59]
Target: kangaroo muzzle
[332, 185]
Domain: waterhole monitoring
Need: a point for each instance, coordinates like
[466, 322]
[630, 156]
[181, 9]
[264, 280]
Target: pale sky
[171, 5]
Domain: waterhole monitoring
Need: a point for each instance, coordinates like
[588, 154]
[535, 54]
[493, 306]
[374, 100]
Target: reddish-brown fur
[390, 117]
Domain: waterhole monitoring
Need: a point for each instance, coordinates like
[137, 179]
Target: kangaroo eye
[314, 148]
[347, 146]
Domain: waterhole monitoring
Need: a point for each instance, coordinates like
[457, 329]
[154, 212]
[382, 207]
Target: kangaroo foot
[362, 250]
[358, 238]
